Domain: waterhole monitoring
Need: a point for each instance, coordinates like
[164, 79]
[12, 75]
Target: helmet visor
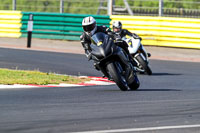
[89, 28]
[116, 30]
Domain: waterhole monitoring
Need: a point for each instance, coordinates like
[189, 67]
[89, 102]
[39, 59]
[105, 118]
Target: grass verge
[10, 77]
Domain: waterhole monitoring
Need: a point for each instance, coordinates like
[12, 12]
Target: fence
[10, 23]
[46, 25]
[157, 31]
[164, 31]
[59, 6]
[169, 8]
[58, 26]
[172, 8]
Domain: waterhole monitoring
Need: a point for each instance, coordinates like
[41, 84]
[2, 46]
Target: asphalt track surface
[166, 102]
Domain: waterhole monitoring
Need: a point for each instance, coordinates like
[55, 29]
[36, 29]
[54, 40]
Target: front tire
[144, 65]
[117, 76]
[135, 84]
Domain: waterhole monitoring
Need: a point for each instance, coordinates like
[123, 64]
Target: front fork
[129, 67]
[138, 67]
[144, 53]
[141, 52]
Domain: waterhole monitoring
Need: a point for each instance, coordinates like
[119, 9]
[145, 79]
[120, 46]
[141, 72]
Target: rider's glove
[135, 36]
[111, 34]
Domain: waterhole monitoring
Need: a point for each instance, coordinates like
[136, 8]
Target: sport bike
[113, 62]
[139, 55]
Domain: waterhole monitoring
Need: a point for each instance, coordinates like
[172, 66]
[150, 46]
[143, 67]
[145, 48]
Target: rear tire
[117, 77]
[144, 65]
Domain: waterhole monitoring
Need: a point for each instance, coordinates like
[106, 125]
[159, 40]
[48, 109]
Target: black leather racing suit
[125, 32]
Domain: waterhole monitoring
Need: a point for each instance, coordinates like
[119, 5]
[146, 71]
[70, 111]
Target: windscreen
[99, 38]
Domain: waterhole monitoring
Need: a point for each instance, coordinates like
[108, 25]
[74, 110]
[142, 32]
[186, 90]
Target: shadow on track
[166, 74]
[158, 90]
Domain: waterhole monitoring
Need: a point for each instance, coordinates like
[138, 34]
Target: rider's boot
[149, 54]
[96, 66]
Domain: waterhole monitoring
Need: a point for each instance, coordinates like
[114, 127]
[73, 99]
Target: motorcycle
[113, 62]
[139, 55]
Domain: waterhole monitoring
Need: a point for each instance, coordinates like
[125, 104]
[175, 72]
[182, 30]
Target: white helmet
[117, 26]
[89, 25]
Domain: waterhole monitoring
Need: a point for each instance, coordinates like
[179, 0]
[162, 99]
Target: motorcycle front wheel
[115, 72]
[144, 65]
[135, 84]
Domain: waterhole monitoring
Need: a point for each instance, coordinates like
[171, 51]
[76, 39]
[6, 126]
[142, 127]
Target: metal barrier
[163, 31]
[58, 26]
[10, 23]
[156, 31]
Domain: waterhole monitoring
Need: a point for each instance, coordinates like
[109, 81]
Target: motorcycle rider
[117, 29]
[90, 28]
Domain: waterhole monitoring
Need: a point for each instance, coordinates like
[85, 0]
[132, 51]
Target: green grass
[10, 77]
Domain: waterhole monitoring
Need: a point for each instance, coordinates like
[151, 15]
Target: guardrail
[58, 26]
[163, 31]
[10, 23]
[156, 31]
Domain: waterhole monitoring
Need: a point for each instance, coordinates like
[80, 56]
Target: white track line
[142, 129]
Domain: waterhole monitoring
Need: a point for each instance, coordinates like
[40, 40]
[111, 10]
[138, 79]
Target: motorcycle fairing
[101, 45]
